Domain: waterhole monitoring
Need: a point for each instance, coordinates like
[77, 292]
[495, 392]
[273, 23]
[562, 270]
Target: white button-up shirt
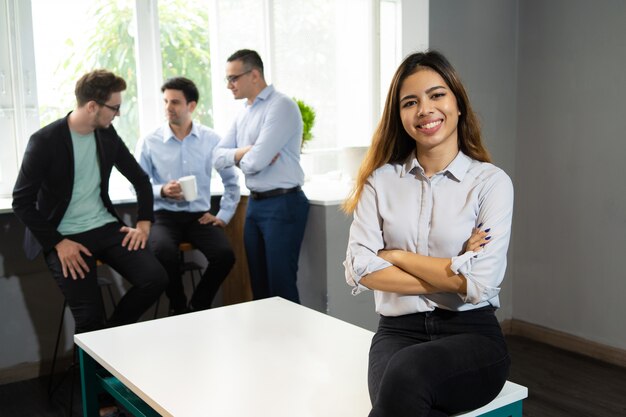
[401, 208]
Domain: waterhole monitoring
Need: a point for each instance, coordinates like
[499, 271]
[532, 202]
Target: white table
[262, 358]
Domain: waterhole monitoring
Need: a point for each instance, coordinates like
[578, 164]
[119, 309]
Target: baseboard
[32, 370]
[565, 341]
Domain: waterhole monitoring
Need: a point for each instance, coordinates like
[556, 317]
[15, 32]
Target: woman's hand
[478, 239]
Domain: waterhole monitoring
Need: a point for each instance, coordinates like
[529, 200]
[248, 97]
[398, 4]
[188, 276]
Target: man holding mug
[177, 156]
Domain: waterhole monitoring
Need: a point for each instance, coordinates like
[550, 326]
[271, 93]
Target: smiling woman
[431, 228]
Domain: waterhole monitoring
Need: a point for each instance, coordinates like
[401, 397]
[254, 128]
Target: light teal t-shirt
[86, 210]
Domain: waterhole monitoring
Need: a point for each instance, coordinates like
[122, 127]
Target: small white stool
[507, 404]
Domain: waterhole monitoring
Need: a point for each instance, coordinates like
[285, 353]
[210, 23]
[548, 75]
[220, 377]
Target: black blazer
[43, 189]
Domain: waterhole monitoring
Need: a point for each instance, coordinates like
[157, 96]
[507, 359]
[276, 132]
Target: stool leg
[156, 307]
[113, 303]
[193, 278]
[56, 350]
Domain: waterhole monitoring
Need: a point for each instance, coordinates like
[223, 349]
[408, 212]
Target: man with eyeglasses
[264, 142]
[179, 148]
[61, 195]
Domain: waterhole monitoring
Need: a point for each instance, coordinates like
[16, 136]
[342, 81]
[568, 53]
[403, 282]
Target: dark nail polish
[488, 237]
[482, 245]
[478, 227]
[487, 230]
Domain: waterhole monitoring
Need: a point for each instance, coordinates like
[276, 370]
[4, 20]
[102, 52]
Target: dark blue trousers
[140, 268]
[436, 363]
[273, 235]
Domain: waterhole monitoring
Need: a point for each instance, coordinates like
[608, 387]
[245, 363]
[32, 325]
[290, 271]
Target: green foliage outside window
[184, 41]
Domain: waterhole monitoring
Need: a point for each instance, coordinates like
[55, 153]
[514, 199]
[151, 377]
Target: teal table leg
[509, 410]
[89, 385]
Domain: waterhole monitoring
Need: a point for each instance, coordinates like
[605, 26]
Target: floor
[560, 383]
[564, 384]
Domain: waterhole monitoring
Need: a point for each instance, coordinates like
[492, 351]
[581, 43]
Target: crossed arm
[413, 273]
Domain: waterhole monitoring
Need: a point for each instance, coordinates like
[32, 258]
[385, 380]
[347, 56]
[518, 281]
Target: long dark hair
[392, 144]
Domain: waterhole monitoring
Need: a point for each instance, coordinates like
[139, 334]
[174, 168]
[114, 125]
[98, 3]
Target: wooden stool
[185, 266]
[507, 404]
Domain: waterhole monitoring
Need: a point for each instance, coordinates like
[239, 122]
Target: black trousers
[436, 363]
[140, 268]
[171, 228]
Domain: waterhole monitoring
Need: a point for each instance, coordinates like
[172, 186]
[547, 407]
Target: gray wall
[479, 38]
[30, 306]
[571, 199]
[548, 79]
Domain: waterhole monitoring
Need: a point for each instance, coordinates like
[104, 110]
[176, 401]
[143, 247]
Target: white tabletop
[263, 358]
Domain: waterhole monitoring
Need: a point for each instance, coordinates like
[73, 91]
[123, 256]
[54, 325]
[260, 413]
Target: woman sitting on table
[431, 228]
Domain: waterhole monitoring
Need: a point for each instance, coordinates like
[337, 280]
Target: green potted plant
[308, 120]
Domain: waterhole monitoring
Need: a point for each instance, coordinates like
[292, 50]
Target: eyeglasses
[116, 109]
[232, 79]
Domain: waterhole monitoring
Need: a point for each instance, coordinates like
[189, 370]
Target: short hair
[249, 58]
[98, 86]
[189, 89]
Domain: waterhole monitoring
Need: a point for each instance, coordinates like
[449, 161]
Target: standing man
[265, 143]
[62, 197]
[181, 148]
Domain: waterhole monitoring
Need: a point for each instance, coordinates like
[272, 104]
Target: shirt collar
[169, 134]
[263, 95]
[457, 168]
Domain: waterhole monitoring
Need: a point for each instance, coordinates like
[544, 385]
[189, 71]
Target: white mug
[188, 185]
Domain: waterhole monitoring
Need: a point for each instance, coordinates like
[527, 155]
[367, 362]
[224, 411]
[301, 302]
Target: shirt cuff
[156, 191]
[225, 215]
[477, 292]
[358, 266]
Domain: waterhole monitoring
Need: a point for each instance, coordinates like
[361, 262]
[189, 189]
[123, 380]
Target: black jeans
[171, 228]
[436, 363]
[139, 267]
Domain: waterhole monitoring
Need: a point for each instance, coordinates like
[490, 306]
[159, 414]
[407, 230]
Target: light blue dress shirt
[273, 125]
[401, 208]
[165, 158]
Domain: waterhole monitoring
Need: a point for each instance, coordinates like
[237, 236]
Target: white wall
[570, 216]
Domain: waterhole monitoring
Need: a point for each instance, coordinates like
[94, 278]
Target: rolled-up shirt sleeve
[232, 194]
[484, 270]
[366, 239]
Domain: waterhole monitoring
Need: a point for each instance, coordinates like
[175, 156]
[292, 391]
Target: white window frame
[19, 71]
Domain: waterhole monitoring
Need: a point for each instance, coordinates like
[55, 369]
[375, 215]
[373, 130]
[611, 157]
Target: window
[18, 94]
[327, 53]
[184, 41]
[85, 35]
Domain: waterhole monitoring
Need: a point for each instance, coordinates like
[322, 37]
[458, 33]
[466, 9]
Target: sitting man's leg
[141, 268]
[82, 294]
[165, 236]
[214, 245]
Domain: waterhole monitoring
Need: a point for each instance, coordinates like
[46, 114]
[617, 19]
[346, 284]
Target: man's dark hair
[189, 89]
[98, 85]
[249, 58]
